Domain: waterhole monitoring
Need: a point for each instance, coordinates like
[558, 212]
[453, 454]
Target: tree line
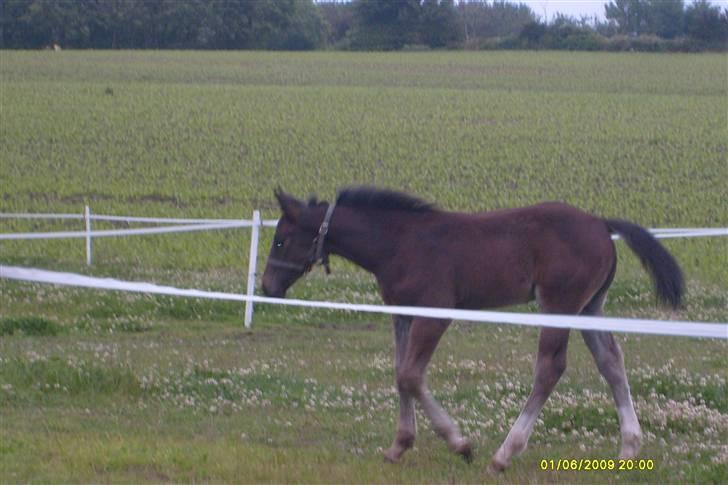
[356, 25]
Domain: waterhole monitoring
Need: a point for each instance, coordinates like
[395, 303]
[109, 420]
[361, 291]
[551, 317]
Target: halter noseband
[317, 254]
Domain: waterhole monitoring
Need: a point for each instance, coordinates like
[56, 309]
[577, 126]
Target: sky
[576, 8]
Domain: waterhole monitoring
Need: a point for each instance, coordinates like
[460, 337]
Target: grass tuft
[31, 326]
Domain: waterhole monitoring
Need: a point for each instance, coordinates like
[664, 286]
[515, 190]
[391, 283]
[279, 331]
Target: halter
[316, 255]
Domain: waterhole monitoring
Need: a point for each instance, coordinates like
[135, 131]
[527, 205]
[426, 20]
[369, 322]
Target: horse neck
[360, 236]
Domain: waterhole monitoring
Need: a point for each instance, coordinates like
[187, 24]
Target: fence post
[251, 267]
[87, 217]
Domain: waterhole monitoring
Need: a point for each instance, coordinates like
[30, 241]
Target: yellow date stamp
[596, 464]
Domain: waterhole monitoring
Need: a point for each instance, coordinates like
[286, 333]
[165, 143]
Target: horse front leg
[423, 338]
[407, 428]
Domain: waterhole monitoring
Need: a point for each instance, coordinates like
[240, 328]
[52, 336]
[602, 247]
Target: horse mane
[373, 198]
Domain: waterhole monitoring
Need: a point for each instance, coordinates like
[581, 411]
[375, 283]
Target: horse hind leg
[609, 359]
[407, 427]
[550, 365]
[423, 339]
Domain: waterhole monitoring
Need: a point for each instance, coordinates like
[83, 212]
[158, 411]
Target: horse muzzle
[273, 291]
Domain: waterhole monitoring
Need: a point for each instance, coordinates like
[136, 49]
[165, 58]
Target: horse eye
[279, 244]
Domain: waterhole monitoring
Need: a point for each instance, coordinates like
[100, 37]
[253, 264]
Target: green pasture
[108, 387]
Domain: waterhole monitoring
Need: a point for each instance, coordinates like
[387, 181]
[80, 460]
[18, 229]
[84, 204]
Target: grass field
[100, 387]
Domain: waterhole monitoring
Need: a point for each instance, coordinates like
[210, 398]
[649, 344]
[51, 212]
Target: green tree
[242, 24]
[705, 23]
[12, 22]
[532, 35]
[115, 24]
[439, 25]
[629, 15]
[385, 24]
[338, 18]
[482, 20]
[665, 18]
[42, 23]
[307, 29]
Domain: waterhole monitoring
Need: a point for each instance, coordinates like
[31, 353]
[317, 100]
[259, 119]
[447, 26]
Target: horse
[556, 254]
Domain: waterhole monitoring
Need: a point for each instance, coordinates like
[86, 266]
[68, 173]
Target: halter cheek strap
[321, 238]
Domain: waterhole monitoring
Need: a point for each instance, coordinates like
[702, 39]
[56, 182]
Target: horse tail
[664, 270]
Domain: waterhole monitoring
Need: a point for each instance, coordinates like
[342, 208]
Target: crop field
[107, 387]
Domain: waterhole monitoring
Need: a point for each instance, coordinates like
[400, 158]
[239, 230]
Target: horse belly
[495, 290]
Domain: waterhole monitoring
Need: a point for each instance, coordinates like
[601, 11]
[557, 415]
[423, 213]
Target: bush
[649, 43]
[536, 35]
[569, 36]
[572, 38]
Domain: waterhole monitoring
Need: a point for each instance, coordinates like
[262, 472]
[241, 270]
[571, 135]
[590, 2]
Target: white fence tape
[660, 234]
[630, 325]
[163, 220]
[125, 232]
[685, 229]
[684, 233]
[39, 216]
[157, 220]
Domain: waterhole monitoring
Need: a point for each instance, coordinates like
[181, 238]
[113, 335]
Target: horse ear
[291, 207]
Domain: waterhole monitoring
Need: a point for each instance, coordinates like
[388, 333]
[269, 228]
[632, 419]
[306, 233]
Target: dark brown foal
[421, 256]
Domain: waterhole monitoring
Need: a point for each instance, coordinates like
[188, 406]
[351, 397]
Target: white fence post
[87, 217]
[255, 229]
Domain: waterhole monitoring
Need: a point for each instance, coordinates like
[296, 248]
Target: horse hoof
[631, 444]
[496, 467]
[391, 456]
[465, 449]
